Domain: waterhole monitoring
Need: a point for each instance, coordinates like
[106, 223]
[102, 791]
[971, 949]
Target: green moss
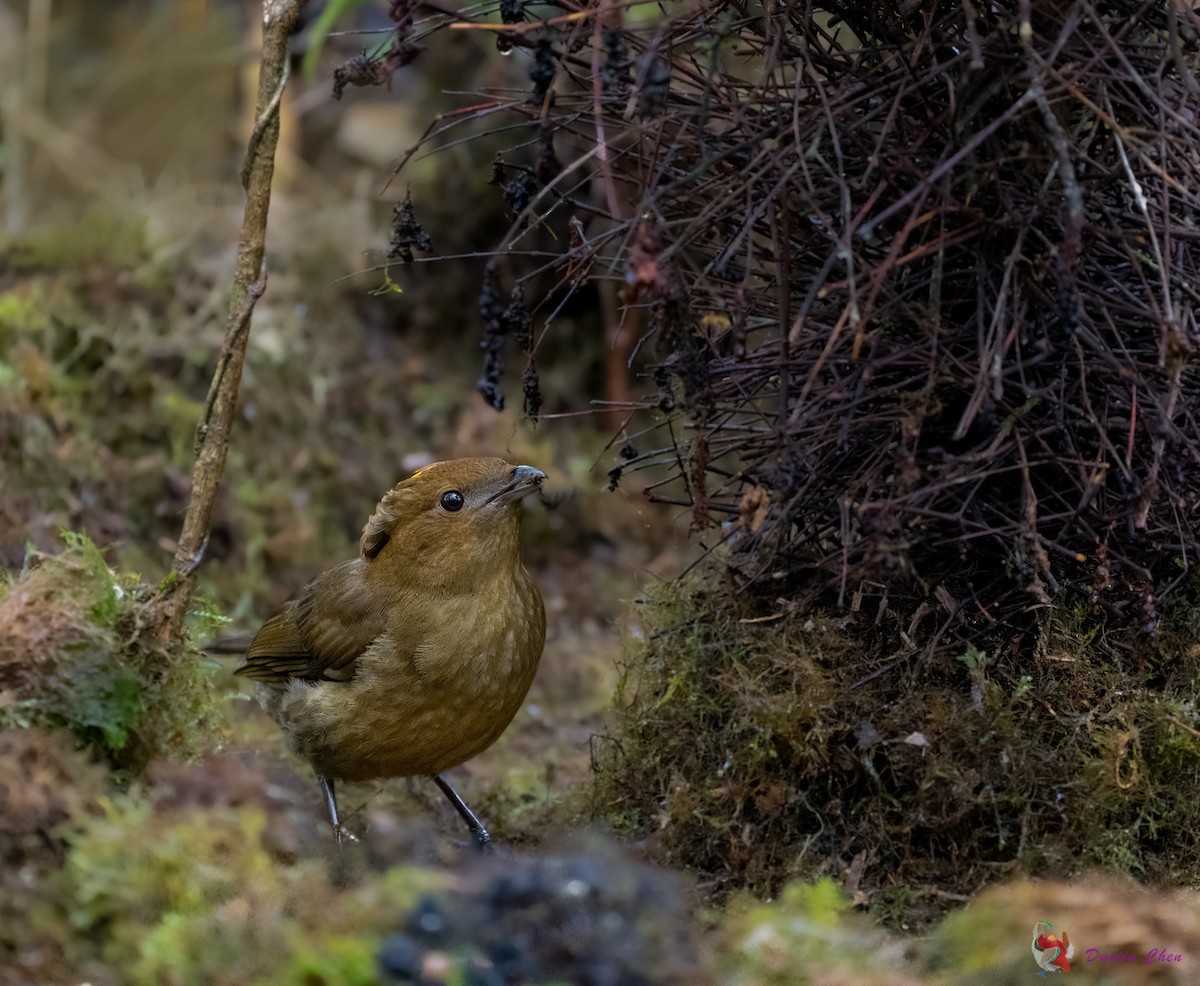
[75, 658]
[968, 943]
[344, 961]
[721, 720]
[154, 894]
[193, 897]
[22, 311]
[760, 746]
[802, 937]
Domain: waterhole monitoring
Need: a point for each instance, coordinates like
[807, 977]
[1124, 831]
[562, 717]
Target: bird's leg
[478, 832]
[331, 806]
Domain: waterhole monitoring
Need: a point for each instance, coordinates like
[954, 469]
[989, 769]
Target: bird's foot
[479, 834]
[342, 835]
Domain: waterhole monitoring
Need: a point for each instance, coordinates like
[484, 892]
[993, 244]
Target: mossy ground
[149, 835]
[761, 746]
[742, 751]
[73, 656]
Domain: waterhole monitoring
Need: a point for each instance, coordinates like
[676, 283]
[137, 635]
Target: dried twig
[927, 284]
[169, 607]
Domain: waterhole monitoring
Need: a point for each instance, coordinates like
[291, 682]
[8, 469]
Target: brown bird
[415, 656]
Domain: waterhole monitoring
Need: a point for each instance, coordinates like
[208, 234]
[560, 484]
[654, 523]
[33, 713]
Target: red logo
[1051, 952]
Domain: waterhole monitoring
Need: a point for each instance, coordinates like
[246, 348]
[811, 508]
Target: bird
[415, 656]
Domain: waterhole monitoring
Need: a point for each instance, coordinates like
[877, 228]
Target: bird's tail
[237, 643]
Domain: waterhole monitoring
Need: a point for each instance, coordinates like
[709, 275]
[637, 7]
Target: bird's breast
[439, 687]
[482, 643]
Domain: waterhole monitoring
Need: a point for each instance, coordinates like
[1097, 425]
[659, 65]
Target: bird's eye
[452, 501]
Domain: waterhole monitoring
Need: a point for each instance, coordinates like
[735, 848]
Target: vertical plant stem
[249, 282]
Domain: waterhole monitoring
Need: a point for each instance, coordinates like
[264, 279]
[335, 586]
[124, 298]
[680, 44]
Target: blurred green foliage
[807, 935]
[190, 897]
[332, 14]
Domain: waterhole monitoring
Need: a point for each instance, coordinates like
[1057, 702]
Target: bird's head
[462, 512]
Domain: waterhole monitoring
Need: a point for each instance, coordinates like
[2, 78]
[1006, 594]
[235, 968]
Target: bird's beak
[525, 480]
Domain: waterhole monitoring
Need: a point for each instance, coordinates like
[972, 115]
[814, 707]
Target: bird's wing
[319, 635]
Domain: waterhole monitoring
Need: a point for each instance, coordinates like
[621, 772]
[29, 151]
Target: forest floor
[218, 867]
[104, 362]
